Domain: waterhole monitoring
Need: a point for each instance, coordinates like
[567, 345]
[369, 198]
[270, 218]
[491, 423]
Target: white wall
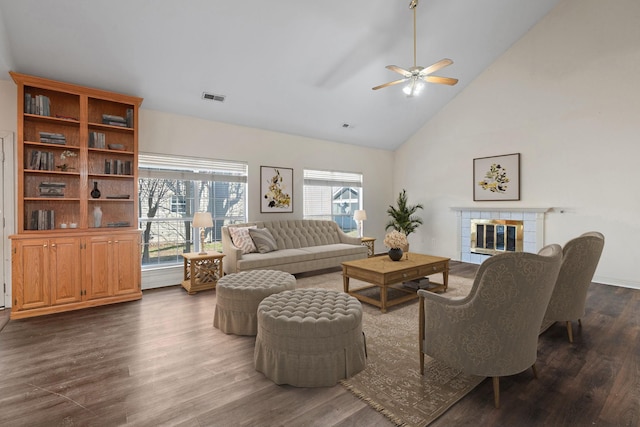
[187, 136]
[565, 96]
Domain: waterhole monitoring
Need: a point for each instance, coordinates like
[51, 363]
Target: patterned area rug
[391, 383]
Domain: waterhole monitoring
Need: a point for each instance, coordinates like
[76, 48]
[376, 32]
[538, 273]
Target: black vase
[95, 193]
[395, 254]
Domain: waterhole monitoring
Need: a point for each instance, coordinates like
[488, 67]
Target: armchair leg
[496, 391]
[421, 363]
[535, 371]
[569, 331]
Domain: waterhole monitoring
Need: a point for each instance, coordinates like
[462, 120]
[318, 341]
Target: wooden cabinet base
[23, 314]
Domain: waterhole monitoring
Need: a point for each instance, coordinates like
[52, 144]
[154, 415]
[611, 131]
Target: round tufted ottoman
[238, 296]
[309, 337]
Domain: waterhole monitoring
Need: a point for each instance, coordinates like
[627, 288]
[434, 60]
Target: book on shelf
[110, 119]
[41, 160]
[52, 189]
[39, 105]
[96, 140]
[118, 167]
[422, 283]
[119, 224]
[130, 117]
[53, 138]
[119, 196]
[42, 219]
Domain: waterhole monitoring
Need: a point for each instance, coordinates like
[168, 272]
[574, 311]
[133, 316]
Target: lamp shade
[202, 219]
[360, 215]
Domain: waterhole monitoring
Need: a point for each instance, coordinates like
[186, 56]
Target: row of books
[96, 140]
[42, 160]
[53, 138]
[118, 167]
[52, 189]
[39, 104]
[113, 120]
[42, 219]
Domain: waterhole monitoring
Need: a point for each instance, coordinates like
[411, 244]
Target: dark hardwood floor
[159, 361]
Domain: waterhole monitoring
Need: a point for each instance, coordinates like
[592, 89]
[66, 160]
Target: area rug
[391, 382]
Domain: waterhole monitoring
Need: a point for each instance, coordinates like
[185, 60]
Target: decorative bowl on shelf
[115, 146]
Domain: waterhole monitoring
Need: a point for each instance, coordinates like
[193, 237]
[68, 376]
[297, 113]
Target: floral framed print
[496, 178]
[276, 189]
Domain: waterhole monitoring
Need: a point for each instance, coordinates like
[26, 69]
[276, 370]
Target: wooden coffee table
[384, 273]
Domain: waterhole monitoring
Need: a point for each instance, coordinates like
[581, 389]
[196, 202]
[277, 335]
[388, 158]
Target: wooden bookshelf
[70, 137]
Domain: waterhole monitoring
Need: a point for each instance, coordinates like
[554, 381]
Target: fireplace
[529, 238]
[494, 236]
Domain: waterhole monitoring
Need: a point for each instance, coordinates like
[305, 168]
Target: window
[333, 196]
[171, 189]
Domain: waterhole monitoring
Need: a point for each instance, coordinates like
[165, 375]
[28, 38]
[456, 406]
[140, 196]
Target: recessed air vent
[212, 97]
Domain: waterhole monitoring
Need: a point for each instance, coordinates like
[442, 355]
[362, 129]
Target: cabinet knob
[110, 242]
[115, 241]
[45, 245]
[53, 245]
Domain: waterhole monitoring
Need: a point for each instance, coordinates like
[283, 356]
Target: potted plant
[403, 216]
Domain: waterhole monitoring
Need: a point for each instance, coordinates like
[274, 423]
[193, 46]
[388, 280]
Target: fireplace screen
[494, 236]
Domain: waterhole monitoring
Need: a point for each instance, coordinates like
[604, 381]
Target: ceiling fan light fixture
[414, 87]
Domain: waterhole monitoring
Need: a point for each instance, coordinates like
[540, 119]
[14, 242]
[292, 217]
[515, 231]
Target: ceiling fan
[416, 75]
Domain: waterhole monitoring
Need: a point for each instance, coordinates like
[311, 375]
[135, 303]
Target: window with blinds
[173, 188]
[334, 196]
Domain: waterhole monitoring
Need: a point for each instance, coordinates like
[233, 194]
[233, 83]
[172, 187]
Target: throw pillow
[241, 238]
[263, 239]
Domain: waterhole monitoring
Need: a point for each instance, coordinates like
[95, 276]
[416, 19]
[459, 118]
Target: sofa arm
[345, 238]
[231, 252]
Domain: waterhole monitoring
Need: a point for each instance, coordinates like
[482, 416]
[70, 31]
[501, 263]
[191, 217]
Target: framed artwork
[276, 189]
[496, 178]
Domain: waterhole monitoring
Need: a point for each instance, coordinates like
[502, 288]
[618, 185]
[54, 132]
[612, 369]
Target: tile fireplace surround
[533, 234]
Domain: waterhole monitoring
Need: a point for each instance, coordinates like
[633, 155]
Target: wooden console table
[201, 271]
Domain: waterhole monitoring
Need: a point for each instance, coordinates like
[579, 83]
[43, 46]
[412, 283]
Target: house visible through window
[333, 196]
[171, 189]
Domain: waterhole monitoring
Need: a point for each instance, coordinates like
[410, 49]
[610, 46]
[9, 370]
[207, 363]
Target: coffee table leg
[345, 283]
[445, 278]
[383, 299]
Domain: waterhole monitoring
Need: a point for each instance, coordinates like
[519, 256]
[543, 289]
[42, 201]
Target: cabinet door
[126, 264]
[98, 270]
[30, 274]
[65, 270]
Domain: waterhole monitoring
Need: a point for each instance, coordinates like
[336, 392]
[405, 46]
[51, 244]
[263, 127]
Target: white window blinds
[190, 168]
[332, 178]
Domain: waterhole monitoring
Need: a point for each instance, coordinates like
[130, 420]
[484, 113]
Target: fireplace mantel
[499, 209]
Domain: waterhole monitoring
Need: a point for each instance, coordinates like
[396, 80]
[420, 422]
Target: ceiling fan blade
[395, 82]
[441, 80]
[399, 70]
[435, 67]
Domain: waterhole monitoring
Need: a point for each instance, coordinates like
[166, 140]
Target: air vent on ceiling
[213, 97]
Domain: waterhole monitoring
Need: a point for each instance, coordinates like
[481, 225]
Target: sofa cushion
[241, 238]
[271, 259]
[331, 251]
[263, 240]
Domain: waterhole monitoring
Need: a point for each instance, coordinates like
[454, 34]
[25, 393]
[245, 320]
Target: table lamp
[202, 220]
[359, 216]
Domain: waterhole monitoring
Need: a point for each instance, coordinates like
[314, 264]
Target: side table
[369, 243]
[201, 271]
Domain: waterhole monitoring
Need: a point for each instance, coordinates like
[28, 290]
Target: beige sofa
[302, 245]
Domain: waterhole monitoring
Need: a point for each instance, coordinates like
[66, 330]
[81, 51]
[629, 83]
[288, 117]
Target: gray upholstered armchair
[580, 259]
[494, 330]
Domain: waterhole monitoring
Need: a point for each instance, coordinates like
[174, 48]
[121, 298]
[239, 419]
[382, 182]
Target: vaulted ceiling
[292, 66]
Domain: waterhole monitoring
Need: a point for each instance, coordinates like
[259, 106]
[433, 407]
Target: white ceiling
[293, 66]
